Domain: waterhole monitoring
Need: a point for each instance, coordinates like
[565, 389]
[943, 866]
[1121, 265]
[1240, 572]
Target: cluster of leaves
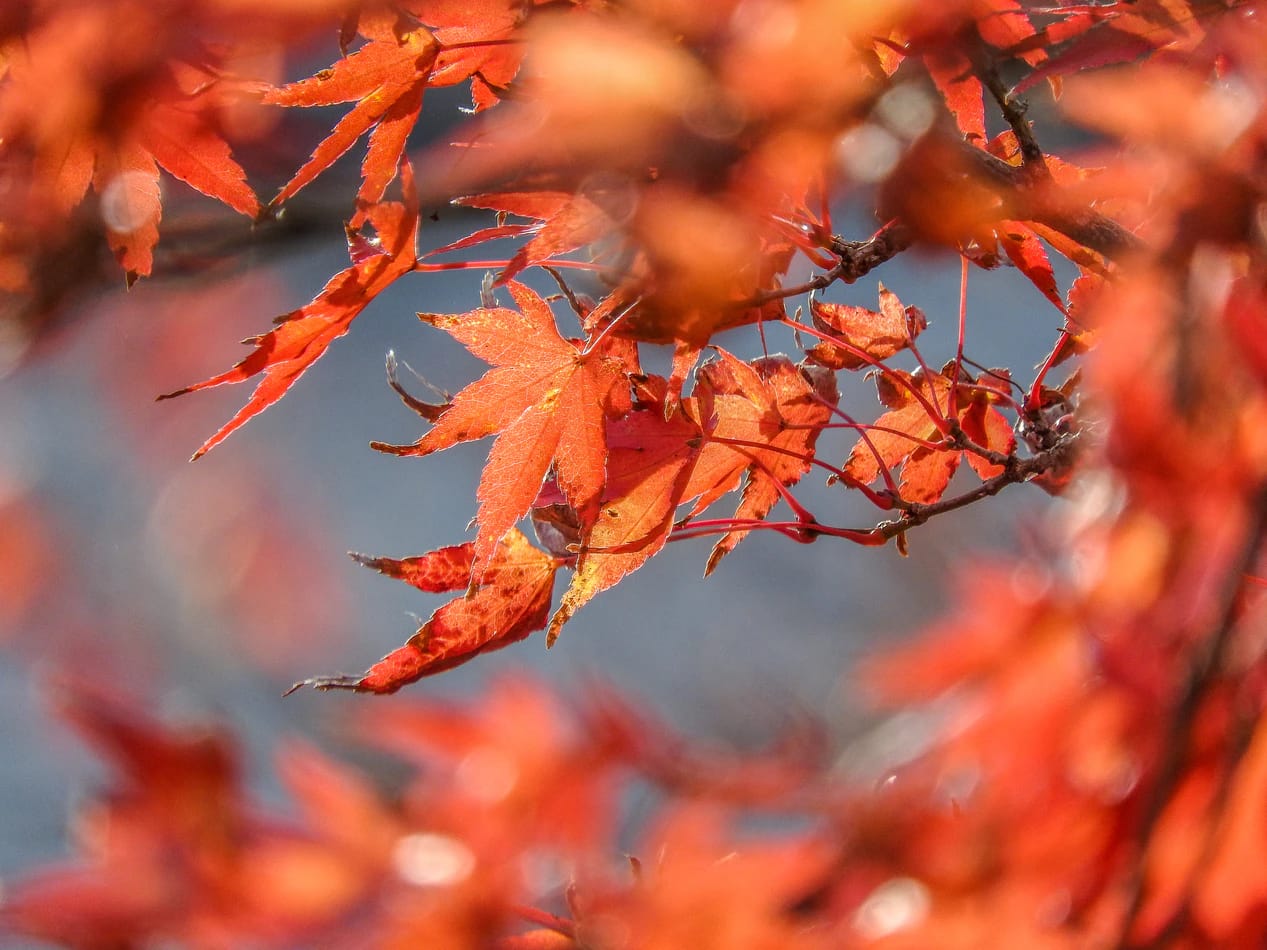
[615, 461]
[1093, 773]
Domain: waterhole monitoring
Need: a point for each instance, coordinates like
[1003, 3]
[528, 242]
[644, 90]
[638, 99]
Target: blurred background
[208, 588]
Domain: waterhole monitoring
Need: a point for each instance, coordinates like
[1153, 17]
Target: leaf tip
[326, 683]
[561, 616]
[713, 560]
[389, 449]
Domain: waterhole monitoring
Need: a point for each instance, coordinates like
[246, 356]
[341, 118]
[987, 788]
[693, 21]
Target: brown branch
[808, 529]
[1015, 471]
[1026, 200]
[1013, 110]
[856, 260]
[1024, 194]
[859, 258]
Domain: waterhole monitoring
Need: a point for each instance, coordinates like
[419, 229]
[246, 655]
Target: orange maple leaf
[302, 336]
[546, 398]
[878, 334]
[386, 78]
[152, 109]
[512, 602]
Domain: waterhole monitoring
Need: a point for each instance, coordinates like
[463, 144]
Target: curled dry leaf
[865, 336]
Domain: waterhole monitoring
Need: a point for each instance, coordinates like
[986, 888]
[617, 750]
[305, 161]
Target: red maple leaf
[565, 222]
[760, 419]
[1025, 250]
[388, 76]
[546, 398]
[1000, 23]
[177, 136]
[511, 603]
[302, 336]
[952, 74]
[1096, 36]
[175, 806]
[477, 44]
[769, 415]
[909, 436]
[649, 462]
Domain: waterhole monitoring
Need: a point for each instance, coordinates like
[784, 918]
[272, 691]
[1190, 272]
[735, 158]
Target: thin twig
[1015, 471]
[1014, 109]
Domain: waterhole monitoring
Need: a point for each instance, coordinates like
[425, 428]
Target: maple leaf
[386, 78]
[1003, 24]
[473, 35]
[793, 403]
[878, 334]
[186, 145]
[952, 74]
[175, 136]
[1236, 879]
[738, 402]
[700, 887]
[511, 603]
[909, 436]
[761, 419]
[546, 398]
[302, 336]
[175, 795]
[1023, 247]
[1000, 23]
[567, 221]
[126, 177]
[155, 109]
[649, 462]
[1101, 36]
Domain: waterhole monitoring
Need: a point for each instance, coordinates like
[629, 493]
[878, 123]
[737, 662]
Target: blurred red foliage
[1090, 768]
